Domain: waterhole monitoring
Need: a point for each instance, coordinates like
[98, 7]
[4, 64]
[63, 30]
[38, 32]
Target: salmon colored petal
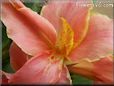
[83, 68]
[73, 12]
[4, 77]
[68, 9]
[38, 70]
[17, 57]
[98, 42]
[101, 71]
[31, 32]
[105, 73]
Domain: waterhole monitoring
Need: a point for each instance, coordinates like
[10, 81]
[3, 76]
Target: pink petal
[38, 70]
[100, 71]
[17, 57]
[75, 14]
[31, 32]
[98, 42]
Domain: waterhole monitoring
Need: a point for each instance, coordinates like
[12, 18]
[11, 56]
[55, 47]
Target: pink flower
[64, 38]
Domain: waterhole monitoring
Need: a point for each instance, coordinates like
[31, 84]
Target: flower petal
[31, 32]
[68, 9]
[73, 11]
[4, 77]
[101, 71]
[65, 77]
[83, 67]
[38, 70]
[98, 42]
[17, 57]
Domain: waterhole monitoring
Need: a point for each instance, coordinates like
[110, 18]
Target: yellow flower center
[65, 40]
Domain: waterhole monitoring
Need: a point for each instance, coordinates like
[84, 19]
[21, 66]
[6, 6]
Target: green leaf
[80, 80]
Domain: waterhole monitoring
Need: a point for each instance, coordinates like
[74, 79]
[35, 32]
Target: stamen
[65, 41]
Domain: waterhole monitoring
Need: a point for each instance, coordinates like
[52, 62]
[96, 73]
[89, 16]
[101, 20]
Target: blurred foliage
[77, 79]
[5, 51]
[36, 6]
[94, 1]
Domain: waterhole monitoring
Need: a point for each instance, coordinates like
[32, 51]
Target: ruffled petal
[98, 42]
[38, 70]
[73, 12]
[17, 57]
[31, 32]
[100, 71]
